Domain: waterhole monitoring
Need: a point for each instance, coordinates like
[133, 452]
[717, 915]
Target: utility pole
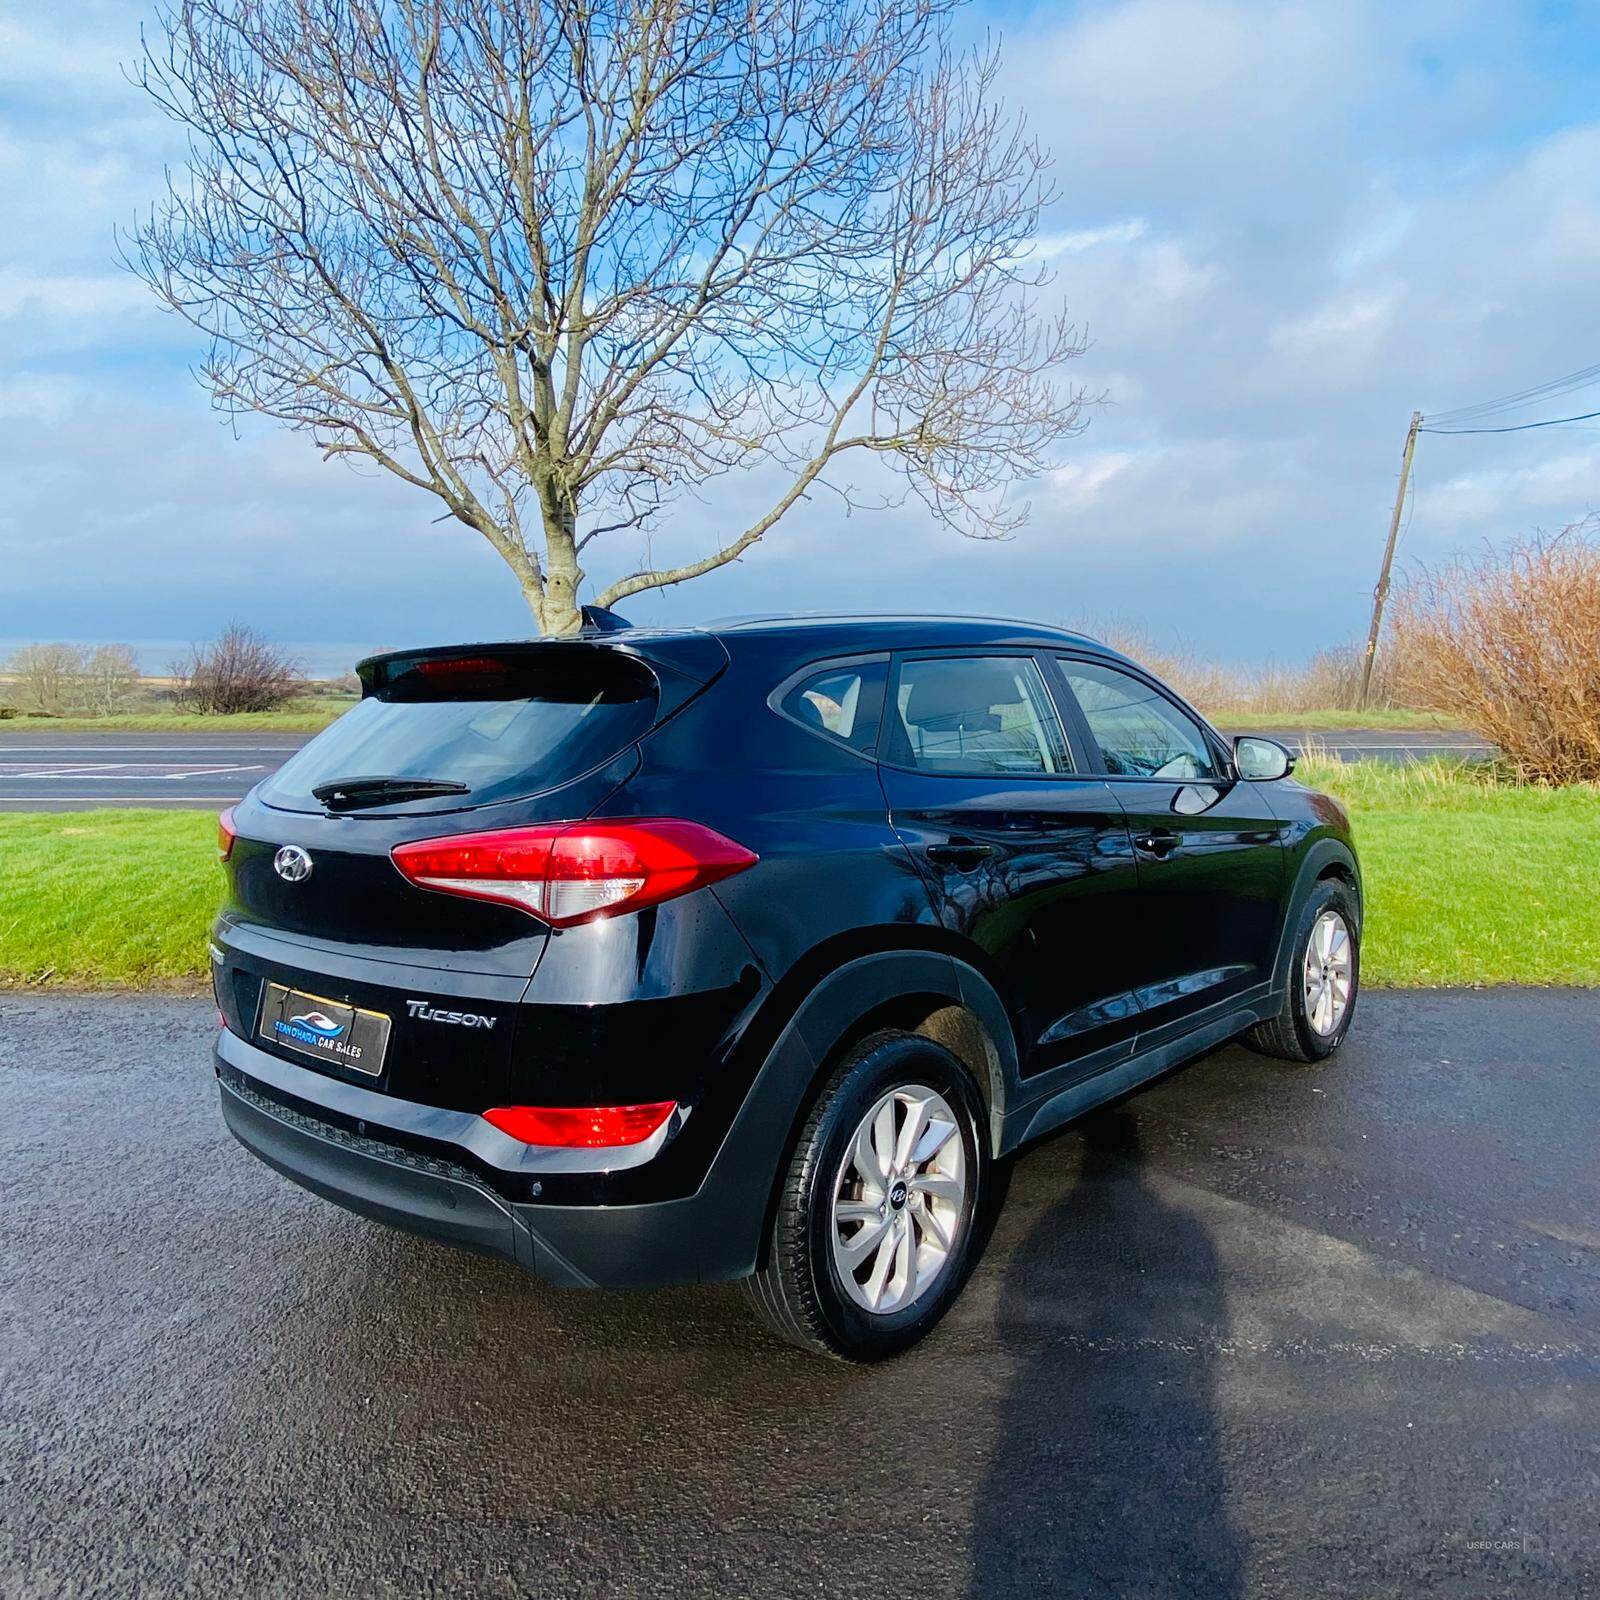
[1381, 593]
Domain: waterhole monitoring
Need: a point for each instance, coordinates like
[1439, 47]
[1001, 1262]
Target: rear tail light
[581, 1127]
[570, 872]
[225, 835]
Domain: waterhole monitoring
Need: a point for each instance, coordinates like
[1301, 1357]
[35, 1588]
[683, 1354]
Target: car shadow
[1105, 1476]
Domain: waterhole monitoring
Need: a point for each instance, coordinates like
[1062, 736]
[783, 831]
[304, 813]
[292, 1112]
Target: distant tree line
[57, 679]
[240, 670]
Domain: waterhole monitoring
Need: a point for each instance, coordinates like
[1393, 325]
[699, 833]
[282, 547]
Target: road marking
[115, 771]
[58, 769]
[33, 802]
[245, 746]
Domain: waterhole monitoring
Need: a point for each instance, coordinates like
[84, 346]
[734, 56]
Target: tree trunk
[533, 598]
[562, 577]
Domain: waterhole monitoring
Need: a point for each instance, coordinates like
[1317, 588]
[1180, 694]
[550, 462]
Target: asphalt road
[70, 772]
[1383, 744]
[1262, 1331]
[41, 771]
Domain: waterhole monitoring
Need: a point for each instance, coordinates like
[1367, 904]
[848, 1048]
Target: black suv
[745, 952]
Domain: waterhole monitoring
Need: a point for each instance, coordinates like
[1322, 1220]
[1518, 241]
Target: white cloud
[1169, 274]
[1554, 491]
[71, 294]
[1081, 481]
[1075, 243]
[1352, 321]
[77, 47]
[38, 397]
[1375, 240]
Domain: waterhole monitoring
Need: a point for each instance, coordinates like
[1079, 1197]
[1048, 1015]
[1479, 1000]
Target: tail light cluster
[565, 873]
[225, 835]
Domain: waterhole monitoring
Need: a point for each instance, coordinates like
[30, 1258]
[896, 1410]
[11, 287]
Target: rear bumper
[696, 1210]
[573, 1246]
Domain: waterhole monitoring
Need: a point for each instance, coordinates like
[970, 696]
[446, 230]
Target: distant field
[1467, 883]
[303, 716]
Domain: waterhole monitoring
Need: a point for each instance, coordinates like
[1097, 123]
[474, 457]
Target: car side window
[1139, 732]
[978, 715]
[841, 701]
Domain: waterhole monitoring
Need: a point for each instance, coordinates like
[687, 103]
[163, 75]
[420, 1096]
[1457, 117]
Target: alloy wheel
[899, 1199]
[1329, 975]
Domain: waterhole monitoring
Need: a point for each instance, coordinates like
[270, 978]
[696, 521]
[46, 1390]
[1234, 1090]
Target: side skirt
[1053, 1111]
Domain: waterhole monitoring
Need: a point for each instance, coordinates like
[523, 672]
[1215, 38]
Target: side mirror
[1261, 760]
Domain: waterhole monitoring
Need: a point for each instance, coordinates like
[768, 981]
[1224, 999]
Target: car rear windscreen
[503, 725]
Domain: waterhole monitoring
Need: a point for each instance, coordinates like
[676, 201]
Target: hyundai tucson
[748, 952]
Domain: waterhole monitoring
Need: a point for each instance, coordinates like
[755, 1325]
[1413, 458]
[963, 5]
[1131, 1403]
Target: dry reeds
[1508, 643]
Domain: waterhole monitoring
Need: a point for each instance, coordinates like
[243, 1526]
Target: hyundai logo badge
[292, 864]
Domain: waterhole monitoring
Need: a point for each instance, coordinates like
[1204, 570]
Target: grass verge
[1468, 882]
[107, 899]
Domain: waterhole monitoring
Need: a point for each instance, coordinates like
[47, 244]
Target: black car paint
[1088, 962]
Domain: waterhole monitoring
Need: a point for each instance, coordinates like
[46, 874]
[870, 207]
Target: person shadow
[1106, 1476]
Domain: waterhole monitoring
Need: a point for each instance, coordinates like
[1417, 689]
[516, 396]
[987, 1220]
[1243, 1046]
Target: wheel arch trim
[1321, 858]
[872, 983]
[747, 1173]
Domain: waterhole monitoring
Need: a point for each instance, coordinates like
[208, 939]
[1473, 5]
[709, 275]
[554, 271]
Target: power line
[1522, 398]
[1519, 427]
[1464, 419]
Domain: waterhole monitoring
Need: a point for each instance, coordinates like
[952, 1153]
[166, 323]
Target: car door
[1025, 854]
[1209, 848]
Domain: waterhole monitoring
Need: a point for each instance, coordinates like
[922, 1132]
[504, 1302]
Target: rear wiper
[345, 794]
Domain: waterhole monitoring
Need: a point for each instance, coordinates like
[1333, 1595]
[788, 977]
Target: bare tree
[560, 261]
[49, 677]
[109, 676]
[240, 671]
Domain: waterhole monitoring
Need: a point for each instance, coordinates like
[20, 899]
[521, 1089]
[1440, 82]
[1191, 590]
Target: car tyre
[903, 1233]
[1324, 979]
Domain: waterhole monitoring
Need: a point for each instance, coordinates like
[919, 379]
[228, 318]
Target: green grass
[1468, 881]
[309, 715]
[107, 899]
[1242, 719]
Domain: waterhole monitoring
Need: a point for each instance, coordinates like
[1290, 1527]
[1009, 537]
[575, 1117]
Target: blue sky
[1285, 226]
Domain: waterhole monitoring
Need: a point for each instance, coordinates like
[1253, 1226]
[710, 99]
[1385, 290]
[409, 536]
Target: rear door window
[977, 715]
[503, 726]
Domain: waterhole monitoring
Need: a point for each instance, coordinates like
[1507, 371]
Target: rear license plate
[344, 1036]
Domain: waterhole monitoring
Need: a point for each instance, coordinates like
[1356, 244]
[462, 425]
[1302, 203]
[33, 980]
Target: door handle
[1158, 842]
[962, 855]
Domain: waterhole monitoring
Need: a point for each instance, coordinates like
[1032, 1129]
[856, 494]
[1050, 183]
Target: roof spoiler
[596, 619]
[683, 662]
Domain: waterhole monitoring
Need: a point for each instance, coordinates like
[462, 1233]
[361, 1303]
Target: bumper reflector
[581, 1127]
